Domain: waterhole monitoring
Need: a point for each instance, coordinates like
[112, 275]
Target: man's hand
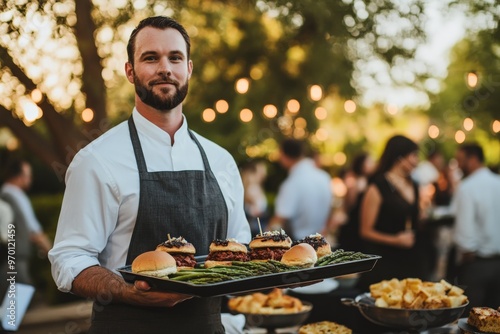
[99, 283]
[157, 298]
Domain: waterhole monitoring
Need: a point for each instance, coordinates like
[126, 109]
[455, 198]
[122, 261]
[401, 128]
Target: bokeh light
[321, 134]
[222, 106]
[320, 113]
[270, 111]
[293, 106]
[87, 115]
[496, 126]
[242, 85]
[349, 106]
[472, 79]
[460, 136]
[36, 95]
[433, 131]
[208, 115]
[468, 124]
[339, 158]
[246, 115]
[315, 92]
[338, 187]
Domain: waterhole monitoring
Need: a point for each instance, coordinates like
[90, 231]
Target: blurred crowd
[429, 216]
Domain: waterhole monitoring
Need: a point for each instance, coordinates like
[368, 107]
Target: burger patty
[268, 253]
[227, 256]
[184, 260]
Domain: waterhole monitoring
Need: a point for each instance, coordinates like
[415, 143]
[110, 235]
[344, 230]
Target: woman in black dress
[389, 215]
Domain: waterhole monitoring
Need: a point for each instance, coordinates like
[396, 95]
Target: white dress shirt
[101, 200]
[305, 199]
[476, 205]
[24, 206]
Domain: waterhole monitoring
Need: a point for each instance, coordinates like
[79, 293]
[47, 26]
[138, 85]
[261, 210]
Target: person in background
[145, 179]
[436, 189]
[28, 230]
[390, 215]
[476, 205]
[356, 181]
[253, 175]
[304, 200]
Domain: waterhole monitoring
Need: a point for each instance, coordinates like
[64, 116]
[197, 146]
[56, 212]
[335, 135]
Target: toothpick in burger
[301, 255]
[269, 245]
[318, 242]
[154, 263]
[223, 252]
[181, 250]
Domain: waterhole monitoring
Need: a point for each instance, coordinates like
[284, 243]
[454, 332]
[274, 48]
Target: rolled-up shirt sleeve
[85, 224]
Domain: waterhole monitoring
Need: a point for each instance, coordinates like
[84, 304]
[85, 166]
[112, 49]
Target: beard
[161, 102]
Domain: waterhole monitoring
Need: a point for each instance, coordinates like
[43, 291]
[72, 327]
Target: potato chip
[413, 293]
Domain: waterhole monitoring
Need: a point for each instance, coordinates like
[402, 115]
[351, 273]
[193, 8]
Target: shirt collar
[143, 125]
[304, 163]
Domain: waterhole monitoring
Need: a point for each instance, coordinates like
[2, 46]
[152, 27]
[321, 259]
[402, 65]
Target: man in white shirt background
[28, 230]
[476, 206]
[144, 179]
[304, 200]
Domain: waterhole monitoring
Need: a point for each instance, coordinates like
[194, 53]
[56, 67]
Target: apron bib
[180, 203]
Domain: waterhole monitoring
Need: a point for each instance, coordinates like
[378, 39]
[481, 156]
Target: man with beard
[144, 179]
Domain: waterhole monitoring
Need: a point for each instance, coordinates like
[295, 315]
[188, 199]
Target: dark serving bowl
[274, 321]
[412, 320]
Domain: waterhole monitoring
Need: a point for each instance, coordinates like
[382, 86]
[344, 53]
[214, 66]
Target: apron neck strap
[139, 155]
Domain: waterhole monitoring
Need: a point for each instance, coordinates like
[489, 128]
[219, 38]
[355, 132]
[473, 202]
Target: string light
[349, 106]
[242, 85]
[320, 113]
[496, 126]
[460, 136]
[468, 124]
[222, 106]
[472, 79]
[315, 92]
[36, 95]
[208, 115]
[293, 106]
[246, 115]
[433, 131]
[87, 115]
[270, 111]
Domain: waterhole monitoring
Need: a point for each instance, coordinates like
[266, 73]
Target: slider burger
[154, 263]
[182, 251]
[301, 255]
[269, 245]
[223, 252]
[318, 242]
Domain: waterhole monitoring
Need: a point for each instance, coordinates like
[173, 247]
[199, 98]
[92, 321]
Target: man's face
[161, 70]
[462, 161]
[26, 176]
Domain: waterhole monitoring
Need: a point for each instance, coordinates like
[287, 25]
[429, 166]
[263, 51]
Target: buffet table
[328, 306]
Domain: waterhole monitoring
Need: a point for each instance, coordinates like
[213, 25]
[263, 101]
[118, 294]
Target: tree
[64, 54]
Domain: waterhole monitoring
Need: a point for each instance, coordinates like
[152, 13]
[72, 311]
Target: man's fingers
[142, 285]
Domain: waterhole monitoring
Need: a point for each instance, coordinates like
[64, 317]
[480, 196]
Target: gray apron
[180, 203]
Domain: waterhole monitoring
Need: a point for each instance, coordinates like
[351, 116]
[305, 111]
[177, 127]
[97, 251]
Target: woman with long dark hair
[390, 212]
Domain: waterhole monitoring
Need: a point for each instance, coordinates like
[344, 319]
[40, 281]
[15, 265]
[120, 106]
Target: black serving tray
[241, 285]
